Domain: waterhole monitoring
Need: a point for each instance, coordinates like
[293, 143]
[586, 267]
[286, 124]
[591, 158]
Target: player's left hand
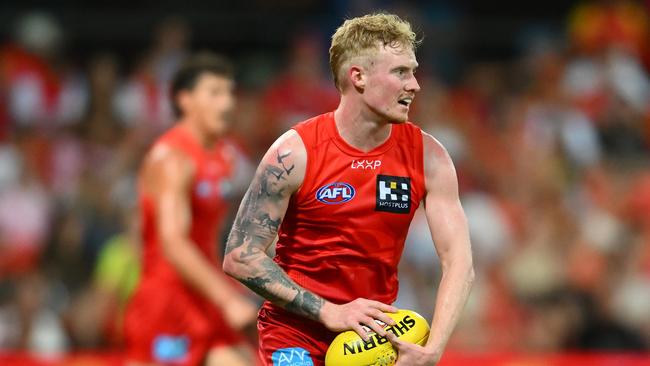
[409, 354]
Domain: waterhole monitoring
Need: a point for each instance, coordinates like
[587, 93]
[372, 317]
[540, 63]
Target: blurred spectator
[301, 90]
[40, 89]
[596, 26]
[95, 317]
[552, 150]
[596, 330]
[72, 146]
[28, 322]
[419, 268]
[64, 258]
[24, 220]
[11, 165]
[143, 101]
[607, 77]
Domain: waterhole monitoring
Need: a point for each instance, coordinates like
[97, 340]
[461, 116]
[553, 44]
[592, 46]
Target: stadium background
[544, 106]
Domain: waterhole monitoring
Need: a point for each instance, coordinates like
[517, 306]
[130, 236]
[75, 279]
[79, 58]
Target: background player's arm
[169, 175]
[260, 214]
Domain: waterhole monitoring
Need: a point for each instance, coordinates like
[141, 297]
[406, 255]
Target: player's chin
[217, 128]
[399, 118]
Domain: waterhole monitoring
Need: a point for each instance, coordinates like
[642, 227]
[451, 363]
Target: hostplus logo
[393, 194]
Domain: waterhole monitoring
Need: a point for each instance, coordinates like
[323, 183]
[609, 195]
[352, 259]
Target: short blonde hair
[362, 35]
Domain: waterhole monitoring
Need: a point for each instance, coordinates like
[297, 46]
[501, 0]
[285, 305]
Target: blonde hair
[362, 35]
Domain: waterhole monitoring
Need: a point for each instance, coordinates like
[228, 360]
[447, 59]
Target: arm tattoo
[276, 172]
[307, 304]
[253, 225]
[280, 160]
[254, 228]
[271, 277]
[268, 223]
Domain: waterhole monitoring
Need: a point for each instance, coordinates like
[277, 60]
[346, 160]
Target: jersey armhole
[419, 163]
[307, 175]
[190, 156]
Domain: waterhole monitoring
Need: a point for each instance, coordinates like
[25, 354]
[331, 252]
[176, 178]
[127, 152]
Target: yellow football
[349, 349]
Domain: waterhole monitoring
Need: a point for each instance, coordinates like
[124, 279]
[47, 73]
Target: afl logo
[335, 193]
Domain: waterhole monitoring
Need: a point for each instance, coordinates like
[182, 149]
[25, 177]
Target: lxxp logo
[365, 164]
[393, 194]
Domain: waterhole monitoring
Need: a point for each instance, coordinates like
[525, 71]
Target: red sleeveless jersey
[164, 307]
[212, 169]
[344, 230]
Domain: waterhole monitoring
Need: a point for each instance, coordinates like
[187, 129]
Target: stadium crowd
[552, 149]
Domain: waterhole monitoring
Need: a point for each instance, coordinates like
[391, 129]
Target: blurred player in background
[340, 191]
[185, 310]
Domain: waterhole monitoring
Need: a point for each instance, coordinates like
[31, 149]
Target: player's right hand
[240, 312]
[355, 314]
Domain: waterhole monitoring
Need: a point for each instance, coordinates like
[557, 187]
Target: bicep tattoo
[257, 223]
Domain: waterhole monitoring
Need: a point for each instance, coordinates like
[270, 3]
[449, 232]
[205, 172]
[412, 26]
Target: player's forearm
[257, 271]
[196, 270]
[455, 285]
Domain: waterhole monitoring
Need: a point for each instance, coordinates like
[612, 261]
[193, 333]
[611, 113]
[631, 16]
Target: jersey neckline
[351, 150]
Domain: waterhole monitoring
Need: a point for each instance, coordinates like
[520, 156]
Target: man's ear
[357, 76]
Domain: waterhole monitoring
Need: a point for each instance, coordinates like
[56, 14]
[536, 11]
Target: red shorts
[170, 325]
[290, 340]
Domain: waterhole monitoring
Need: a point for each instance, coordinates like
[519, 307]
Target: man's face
[390, 82]
[210, 102]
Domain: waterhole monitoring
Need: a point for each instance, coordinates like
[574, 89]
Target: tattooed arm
[260, 214]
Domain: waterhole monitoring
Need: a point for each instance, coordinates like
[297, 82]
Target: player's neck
[358, 129]
[206, 140]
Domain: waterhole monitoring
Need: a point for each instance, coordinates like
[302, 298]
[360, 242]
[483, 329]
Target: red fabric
[163, 304]
[279, 330]
[450, 358]
[349, 250]
[208, 205]
[158, 311]
[567, 359]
